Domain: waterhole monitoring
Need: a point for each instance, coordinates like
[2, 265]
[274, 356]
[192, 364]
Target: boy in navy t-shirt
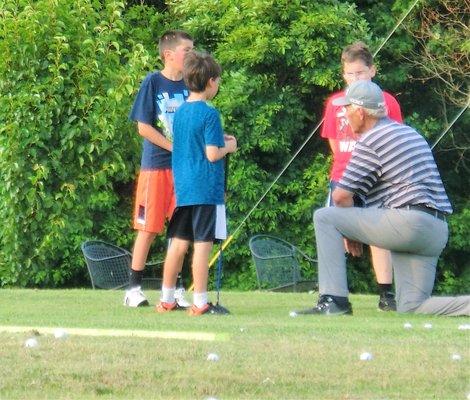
[199, 147]
[160, 94]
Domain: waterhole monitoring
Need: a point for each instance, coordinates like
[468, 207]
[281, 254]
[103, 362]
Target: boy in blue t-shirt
[160, 94]
[199, 146]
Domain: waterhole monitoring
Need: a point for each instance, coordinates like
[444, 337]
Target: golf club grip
[226, 166]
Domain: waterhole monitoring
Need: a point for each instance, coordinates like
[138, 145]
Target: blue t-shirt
[155, 104]
[197, 180]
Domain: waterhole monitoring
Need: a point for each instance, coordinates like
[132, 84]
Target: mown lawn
[264, 353]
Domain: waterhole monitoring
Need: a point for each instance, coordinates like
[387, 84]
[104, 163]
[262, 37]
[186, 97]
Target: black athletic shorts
[197, 223]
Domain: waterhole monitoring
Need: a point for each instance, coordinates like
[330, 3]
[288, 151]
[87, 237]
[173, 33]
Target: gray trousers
[415, 239]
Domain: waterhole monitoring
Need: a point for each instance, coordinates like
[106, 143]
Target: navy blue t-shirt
[196, 179]
[155, 104]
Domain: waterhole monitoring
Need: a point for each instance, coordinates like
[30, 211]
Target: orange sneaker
[163, 307]
[209, 308]
[195, 311]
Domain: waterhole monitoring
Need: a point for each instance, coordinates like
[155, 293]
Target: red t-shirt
[335, 126]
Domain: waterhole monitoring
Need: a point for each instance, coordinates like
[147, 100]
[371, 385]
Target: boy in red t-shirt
[357, 63]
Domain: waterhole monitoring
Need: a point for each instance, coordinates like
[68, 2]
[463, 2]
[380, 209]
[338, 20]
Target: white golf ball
[242, 329]
[293, 314]
[31, 342]
[407, 325]
[464, 327]
[60, 334]
[427, 326]
[456, 357]
[213, 357]
[366, 357]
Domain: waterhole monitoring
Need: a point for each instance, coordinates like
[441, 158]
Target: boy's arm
[328, 130]
[215, 153]
[333, 145]
[394, 111]
[154, 136]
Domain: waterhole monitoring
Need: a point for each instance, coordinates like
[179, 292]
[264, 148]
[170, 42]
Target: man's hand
[352, 247]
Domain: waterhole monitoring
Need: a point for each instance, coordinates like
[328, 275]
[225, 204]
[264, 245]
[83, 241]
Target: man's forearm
[342, 198]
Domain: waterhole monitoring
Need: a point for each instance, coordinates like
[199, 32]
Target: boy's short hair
[357, 51]
[199, 67]
[170, 39]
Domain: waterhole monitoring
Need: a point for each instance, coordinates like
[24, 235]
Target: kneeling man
[393, 170]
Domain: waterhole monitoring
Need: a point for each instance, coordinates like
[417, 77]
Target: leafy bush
[68, 156]
[67, 77]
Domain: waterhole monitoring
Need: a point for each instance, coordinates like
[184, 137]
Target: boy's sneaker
[163, 307]
[327, 306]
[134, 297]
[180, 299]
[209, 308]
[387, 302]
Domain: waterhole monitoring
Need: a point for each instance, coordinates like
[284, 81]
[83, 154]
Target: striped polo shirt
[392, 166]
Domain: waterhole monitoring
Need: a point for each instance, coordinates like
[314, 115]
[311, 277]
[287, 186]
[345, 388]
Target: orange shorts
[154, 200]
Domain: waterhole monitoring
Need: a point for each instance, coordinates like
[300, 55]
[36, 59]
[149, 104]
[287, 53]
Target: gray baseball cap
[363, 93]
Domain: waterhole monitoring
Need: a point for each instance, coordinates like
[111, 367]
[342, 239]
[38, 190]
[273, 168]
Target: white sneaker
[134, 297]
[179, 297]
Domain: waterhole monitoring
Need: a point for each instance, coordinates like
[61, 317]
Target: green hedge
[68, 155]
[68, 73]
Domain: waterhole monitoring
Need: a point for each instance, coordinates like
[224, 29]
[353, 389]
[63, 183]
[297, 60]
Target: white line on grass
[203, 336]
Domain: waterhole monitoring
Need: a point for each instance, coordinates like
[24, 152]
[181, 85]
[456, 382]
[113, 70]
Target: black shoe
[327, 306]
[387, 302]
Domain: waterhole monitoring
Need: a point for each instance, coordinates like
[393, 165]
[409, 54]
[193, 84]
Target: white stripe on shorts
[220, 222]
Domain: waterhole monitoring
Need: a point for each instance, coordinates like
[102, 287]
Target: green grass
[268, 355]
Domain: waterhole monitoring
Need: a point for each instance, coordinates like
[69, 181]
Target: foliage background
[69, 156]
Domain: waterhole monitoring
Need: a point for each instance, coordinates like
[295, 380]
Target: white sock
[168, 295]
[200, 299]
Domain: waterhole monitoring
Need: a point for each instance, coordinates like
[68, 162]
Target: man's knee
[410, 303]
[322, 214]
